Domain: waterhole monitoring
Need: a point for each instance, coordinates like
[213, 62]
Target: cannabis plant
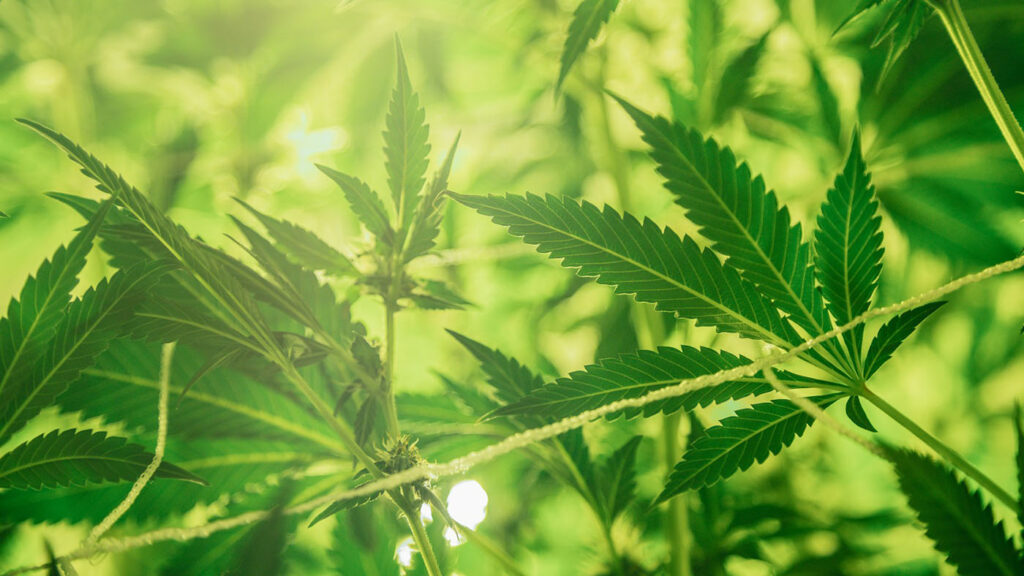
[218, 402]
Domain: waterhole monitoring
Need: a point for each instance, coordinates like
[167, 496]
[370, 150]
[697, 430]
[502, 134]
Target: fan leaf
[365, 204]
[76, 458]
[405, 145]
[955, 518]
[642, 259]
[83, 334]
[634, 375]
[752, 435]
[893, 333]
[588, 19]
[303, 246]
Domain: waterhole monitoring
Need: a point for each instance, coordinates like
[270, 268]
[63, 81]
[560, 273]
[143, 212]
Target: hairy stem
[947, 453]
[960, 33]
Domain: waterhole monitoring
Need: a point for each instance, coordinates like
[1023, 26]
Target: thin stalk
[951, 457]
[963, 39]
[419, 536]
[678, 522]
[391, 409]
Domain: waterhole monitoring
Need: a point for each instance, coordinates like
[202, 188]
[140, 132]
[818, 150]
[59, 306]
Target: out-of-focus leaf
[588, 19]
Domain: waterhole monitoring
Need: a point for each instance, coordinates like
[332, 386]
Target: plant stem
[391, 410]
[951, 457]
[960, 33]
[678, 529]
[419, 536]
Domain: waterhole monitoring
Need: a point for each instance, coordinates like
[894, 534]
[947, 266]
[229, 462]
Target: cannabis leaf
[82, 335]
[405, 144]
[33, 318]
[427, 224]
[752, 435]
[510, 379]
[303, 246]
[737, 212]
[955, 517]
[901, 26]
[586, 23]
[365, 204]
[893, 333]
[617, 480]
[634, 375]
[638, 258]
[76, 457]
[848, 246]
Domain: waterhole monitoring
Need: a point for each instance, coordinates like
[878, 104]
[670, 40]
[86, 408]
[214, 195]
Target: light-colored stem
[678, 528]
[963, 39]
[391, 409]
[419, 536]
[947, 453]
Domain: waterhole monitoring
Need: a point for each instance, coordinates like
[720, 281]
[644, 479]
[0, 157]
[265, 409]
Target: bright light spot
[467, 503]
[404, 553]
[426, 514]
[452, 537]
[306, 143]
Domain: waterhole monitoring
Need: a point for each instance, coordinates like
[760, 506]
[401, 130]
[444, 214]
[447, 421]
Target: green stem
[493, 549]
[391, 409]
[678, 522]
[960, 33]
[951, 457]
[419, 536]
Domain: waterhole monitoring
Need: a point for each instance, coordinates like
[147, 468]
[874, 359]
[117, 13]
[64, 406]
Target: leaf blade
[587, 20]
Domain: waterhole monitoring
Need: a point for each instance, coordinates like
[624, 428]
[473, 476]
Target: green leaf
[427, 224]
[123, 385]
[638, 258]
[342, 505]
[740, 216]
[33, 318]
[862, 7]
[848, 246]
[893, 333]
[228, 466]
[436, 295]
[752, 435]
[617, 479]
[734, 85]
[510, 379]
[3, 214]
[855, 411]
[77, 457]
[705, 27]
[1018, 424]
[906, 18]
[83, 334]
[234, 304]
[405, 145]
[365, 204]
[634, 375]
[262, 550]
[955, 518]
[360, 546]
[303, 246]
[588, 19]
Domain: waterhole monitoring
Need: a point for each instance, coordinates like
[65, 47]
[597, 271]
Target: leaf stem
[963, 39]
[941, 449]
[419, 536]
[391, 409]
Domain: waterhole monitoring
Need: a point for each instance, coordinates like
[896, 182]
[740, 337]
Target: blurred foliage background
[197, 102]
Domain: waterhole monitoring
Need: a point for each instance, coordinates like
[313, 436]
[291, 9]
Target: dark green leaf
[638, 258]
[955, 518]
[510, 379]
[634, 375]
[734, 85]
[436, 295]
[855, 411]
[34, 317]
[303, 246]
[78, 457]
[737, 212]
[752, 435]
[588, 19]
[893, 333]
[262, 551]
[83, 334]
[618, 479]
[405, 145]
[365, 204]
[361, 547]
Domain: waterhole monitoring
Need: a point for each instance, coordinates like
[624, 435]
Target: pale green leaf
[588, 19]
[406, 145]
